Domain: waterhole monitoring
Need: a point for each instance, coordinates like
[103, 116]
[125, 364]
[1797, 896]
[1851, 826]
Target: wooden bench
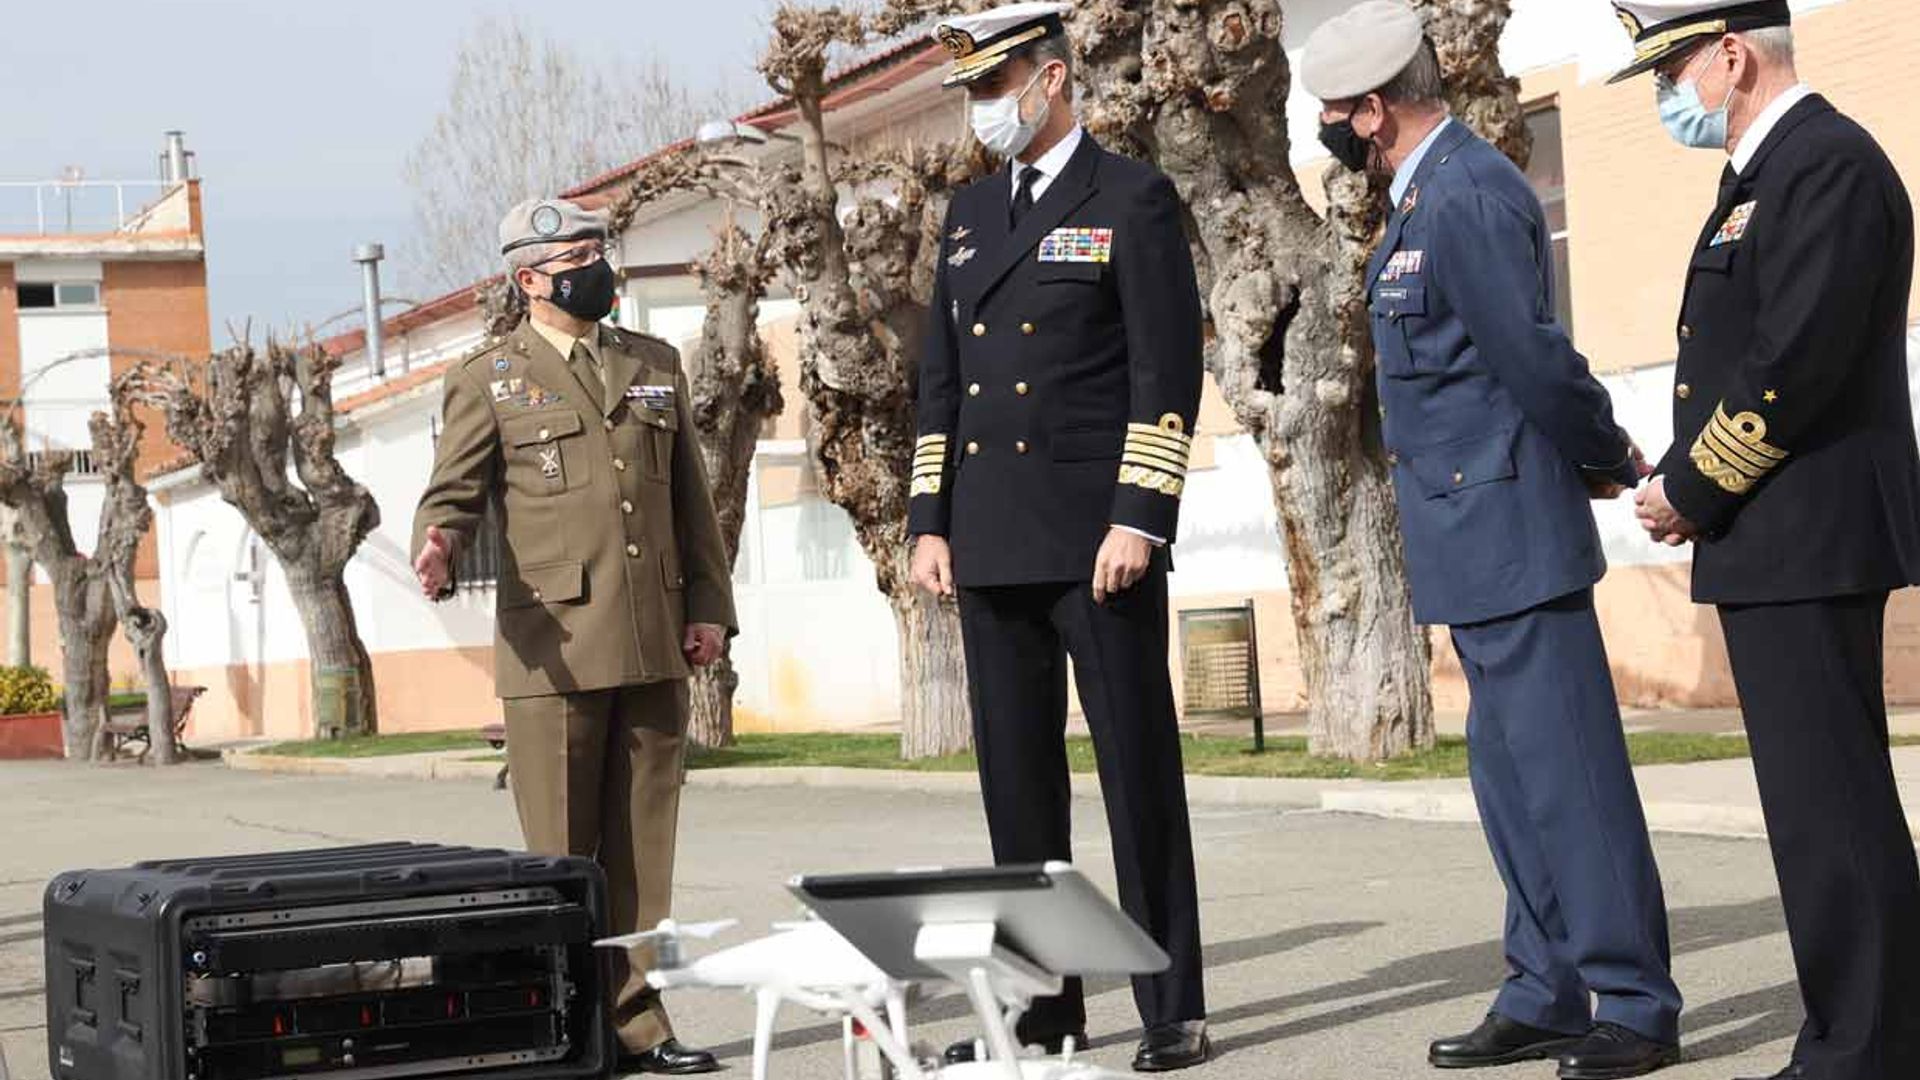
[128, 724]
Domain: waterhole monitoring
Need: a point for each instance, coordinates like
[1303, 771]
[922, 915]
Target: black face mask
[585, 292]
[1345, 144]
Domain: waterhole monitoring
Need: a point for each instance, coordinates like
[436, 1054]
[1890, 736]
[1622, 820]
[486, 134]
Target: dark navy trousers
[1586, 920]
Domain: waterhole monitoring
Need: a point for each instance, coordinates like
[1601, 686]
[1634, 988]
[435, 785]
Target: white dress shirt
[1756, 134]
[1050, 164]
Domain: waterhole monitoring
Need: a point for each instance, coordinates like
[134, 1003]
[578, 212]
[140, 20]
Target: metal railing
[73, 206]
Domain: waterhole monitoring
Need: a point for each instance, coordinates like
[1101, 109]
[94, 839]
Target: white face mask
[997, 124]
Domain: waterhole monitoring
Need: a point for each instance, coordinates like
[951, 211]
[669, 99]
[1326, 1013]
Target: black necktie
[1023, 195]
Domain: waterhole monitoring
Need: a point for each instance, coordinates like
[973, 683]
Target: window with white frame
[30, 295]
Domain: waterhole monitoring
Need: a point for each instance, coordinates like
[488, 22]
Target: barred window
[81, 465]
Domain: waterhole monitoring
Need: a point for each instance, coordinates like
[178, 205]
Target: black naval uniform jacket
[1793, 443]
[1060, 372]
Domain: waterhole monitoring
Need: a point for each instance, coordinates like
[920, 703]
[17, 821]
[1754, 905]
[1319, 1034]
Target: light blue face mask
[1688, 119]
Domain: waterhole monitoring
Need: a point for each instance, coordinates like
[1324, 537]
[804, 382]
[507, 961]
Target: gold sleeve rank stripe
[1733, 452]
[1158, 459]
[1152, 479]
[929, 465]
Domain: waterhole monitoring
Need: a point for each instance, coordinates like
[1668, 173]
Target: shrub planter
[31, 735]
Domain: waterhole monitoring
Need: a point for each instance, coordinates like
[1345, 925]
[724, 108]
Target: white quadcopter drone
[1005, 935]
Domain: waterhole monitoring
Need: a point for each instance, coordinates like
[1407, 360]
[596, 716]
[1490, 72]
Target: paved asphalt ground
[1336, 945]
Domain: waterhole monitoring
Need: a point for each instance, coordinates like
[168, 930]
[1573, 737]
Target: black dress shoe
[669, 1059]
[1498, 1041]
[1611, 1052]
[1173, 1046]
[963, 1051]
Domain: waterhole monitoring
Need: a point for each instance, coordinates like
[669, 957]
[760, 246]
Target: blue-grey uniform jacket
[1491, 419]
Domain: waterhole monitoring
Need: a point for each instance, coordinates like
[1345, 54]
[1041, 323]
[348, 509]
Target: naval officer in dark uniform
[1794, 473]
[1498, 436]
[1058, 387]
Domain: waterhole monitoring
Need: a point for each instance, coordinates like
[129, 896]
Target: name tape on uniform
[1735, 226]
[1077, 245]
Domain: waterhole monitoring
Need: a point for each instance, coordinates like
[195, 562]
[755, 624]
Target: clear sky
[301, 113]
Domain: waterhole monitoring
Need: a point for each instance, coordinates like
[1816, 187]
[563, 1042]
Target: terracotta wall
[421, 690]
[160, 306]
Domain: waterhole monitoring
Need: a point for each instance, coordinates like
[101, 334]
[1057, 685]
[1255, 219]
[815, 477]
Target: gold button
[619, 465]
[1458, 476]
[1020, 445]
[973, 448]
[1020, 388]
[974, 390]
[1683, 391]
[626, 506]
[544, 433]
[536, 594]
[633, 549]
[979, 329]
[1026, 328]
[1686, 332]
[607, 423]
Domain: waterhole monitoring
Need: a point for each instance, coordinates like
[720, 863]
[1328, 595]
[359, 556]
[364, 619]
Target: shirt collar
[563, 342]
[1054, 162]
[1756, 134]
[1403, 176]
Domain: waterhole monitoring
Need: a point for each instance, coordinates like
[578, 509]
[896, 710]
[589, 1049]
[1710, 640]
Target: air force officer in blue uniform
[1498, 437]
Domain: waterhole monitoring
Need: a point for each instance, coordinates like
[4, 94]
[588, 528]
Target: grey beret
[549, 221]
[1360, 50]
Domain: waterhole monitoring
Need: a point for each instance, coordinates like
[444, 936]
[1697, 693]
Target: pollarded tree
[257, 422]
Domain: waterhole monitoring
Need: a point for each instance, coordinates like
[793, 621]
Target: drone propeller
[667, 932]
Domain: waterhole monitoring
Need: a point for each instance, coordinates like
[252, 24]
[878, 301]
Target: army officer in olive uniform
[614, 578]
[1058, 386]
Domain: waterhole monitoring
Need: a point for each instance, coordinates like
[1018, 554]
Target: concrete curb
[1445, 802]
[1699, 819]
[437, 766]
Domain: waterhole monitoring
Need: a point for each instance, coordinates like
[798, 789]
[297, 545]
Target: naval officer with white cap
[1795, 476]
[1498, 436]
[1059, 382]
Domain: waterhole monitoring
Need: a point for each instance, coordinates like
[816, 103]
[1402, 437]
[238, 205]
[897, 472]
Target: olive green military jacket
[611, 545]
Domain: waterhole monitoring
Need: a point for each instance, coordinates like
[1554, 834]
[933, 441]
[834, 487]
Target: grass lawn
[1206, 755]
[381, 745]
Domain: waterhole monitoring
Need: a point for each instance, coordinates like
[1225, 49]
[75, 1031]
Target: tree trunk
[934, 716]
[86, 630]
[342, 678]
[19, 590]
[734, 389]
[149, 642]
[710, 719]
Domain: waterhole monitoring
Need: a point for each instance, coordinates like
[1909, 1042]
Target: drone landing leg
[766, 1006]
[893, 1049]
